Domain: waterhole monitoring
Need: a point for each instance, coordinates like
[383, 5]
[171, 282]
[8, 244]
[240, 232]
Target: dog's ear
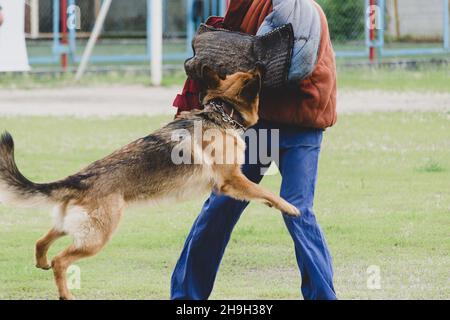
[210, 78]
[252, 87]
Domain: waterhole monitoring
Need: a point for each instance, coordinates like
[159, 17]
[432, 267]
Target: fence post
[382, 26]
[156, 41]
[189, 26]
[446, 27]
[55, 29]
[165, 19]
[223, 7]
[366, 25]
[64, 34]
[371, 33]
[206, 10]
[34, 17]
[149, 30]
[214, 8]
[73, 32]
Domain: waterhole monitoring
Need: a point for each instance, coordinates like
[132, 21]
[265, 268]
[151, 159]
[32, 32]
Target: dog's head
[240, 90]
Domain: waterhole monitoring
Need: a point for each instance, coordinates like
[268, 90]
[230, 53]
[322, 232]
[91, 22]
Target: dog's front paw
[289, 209]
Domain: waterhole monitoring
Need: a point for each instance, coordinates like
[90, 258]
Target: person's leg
[196, 269]
[298, 162]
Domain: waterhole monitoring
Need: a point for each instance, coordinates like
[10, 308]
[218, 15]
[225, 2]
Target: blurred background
[362, 31]
[382, 195]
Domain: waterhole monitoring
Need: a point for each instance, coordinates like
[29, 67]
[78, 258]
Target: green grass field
[382, 199]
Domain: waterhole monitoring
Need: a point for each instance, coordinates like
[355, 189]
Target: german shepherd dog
[89, 204]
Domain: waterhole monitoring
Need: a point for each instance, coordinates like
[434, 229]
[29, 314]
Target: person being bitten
[299, 102]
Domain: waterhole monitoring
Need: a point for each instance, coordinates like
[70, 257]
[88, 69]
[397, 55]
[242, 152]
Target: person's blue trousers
[196, 269]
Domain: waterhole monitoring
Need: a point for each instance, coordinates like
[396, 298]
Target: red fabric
[188, 99]
[235, 14]
[252, 19]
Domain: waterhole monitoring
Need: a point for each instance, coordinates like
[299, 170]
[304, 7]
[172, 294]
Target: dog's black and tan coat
[89, 204]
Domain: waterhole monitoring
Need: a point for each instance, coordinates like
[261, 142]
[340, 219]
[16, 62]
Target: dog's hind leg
[63, 260]
[91, 231]
[42, 246]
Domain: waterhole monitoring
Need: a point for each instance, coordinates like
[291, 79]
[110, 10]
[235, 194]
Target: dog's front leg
[237, 186]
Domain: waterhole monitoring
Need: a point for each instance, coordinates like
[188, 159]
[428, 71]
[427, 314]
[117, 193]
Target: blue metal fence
[58, 48]
[218, 7]
[387, 52]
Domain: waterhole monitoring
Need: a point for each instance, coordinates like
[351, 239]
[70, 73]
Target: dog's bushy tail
[15, 189]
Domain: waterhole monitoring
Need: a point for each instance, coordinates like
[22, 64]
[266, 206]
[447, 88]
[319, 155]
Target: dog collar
[218, 106]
